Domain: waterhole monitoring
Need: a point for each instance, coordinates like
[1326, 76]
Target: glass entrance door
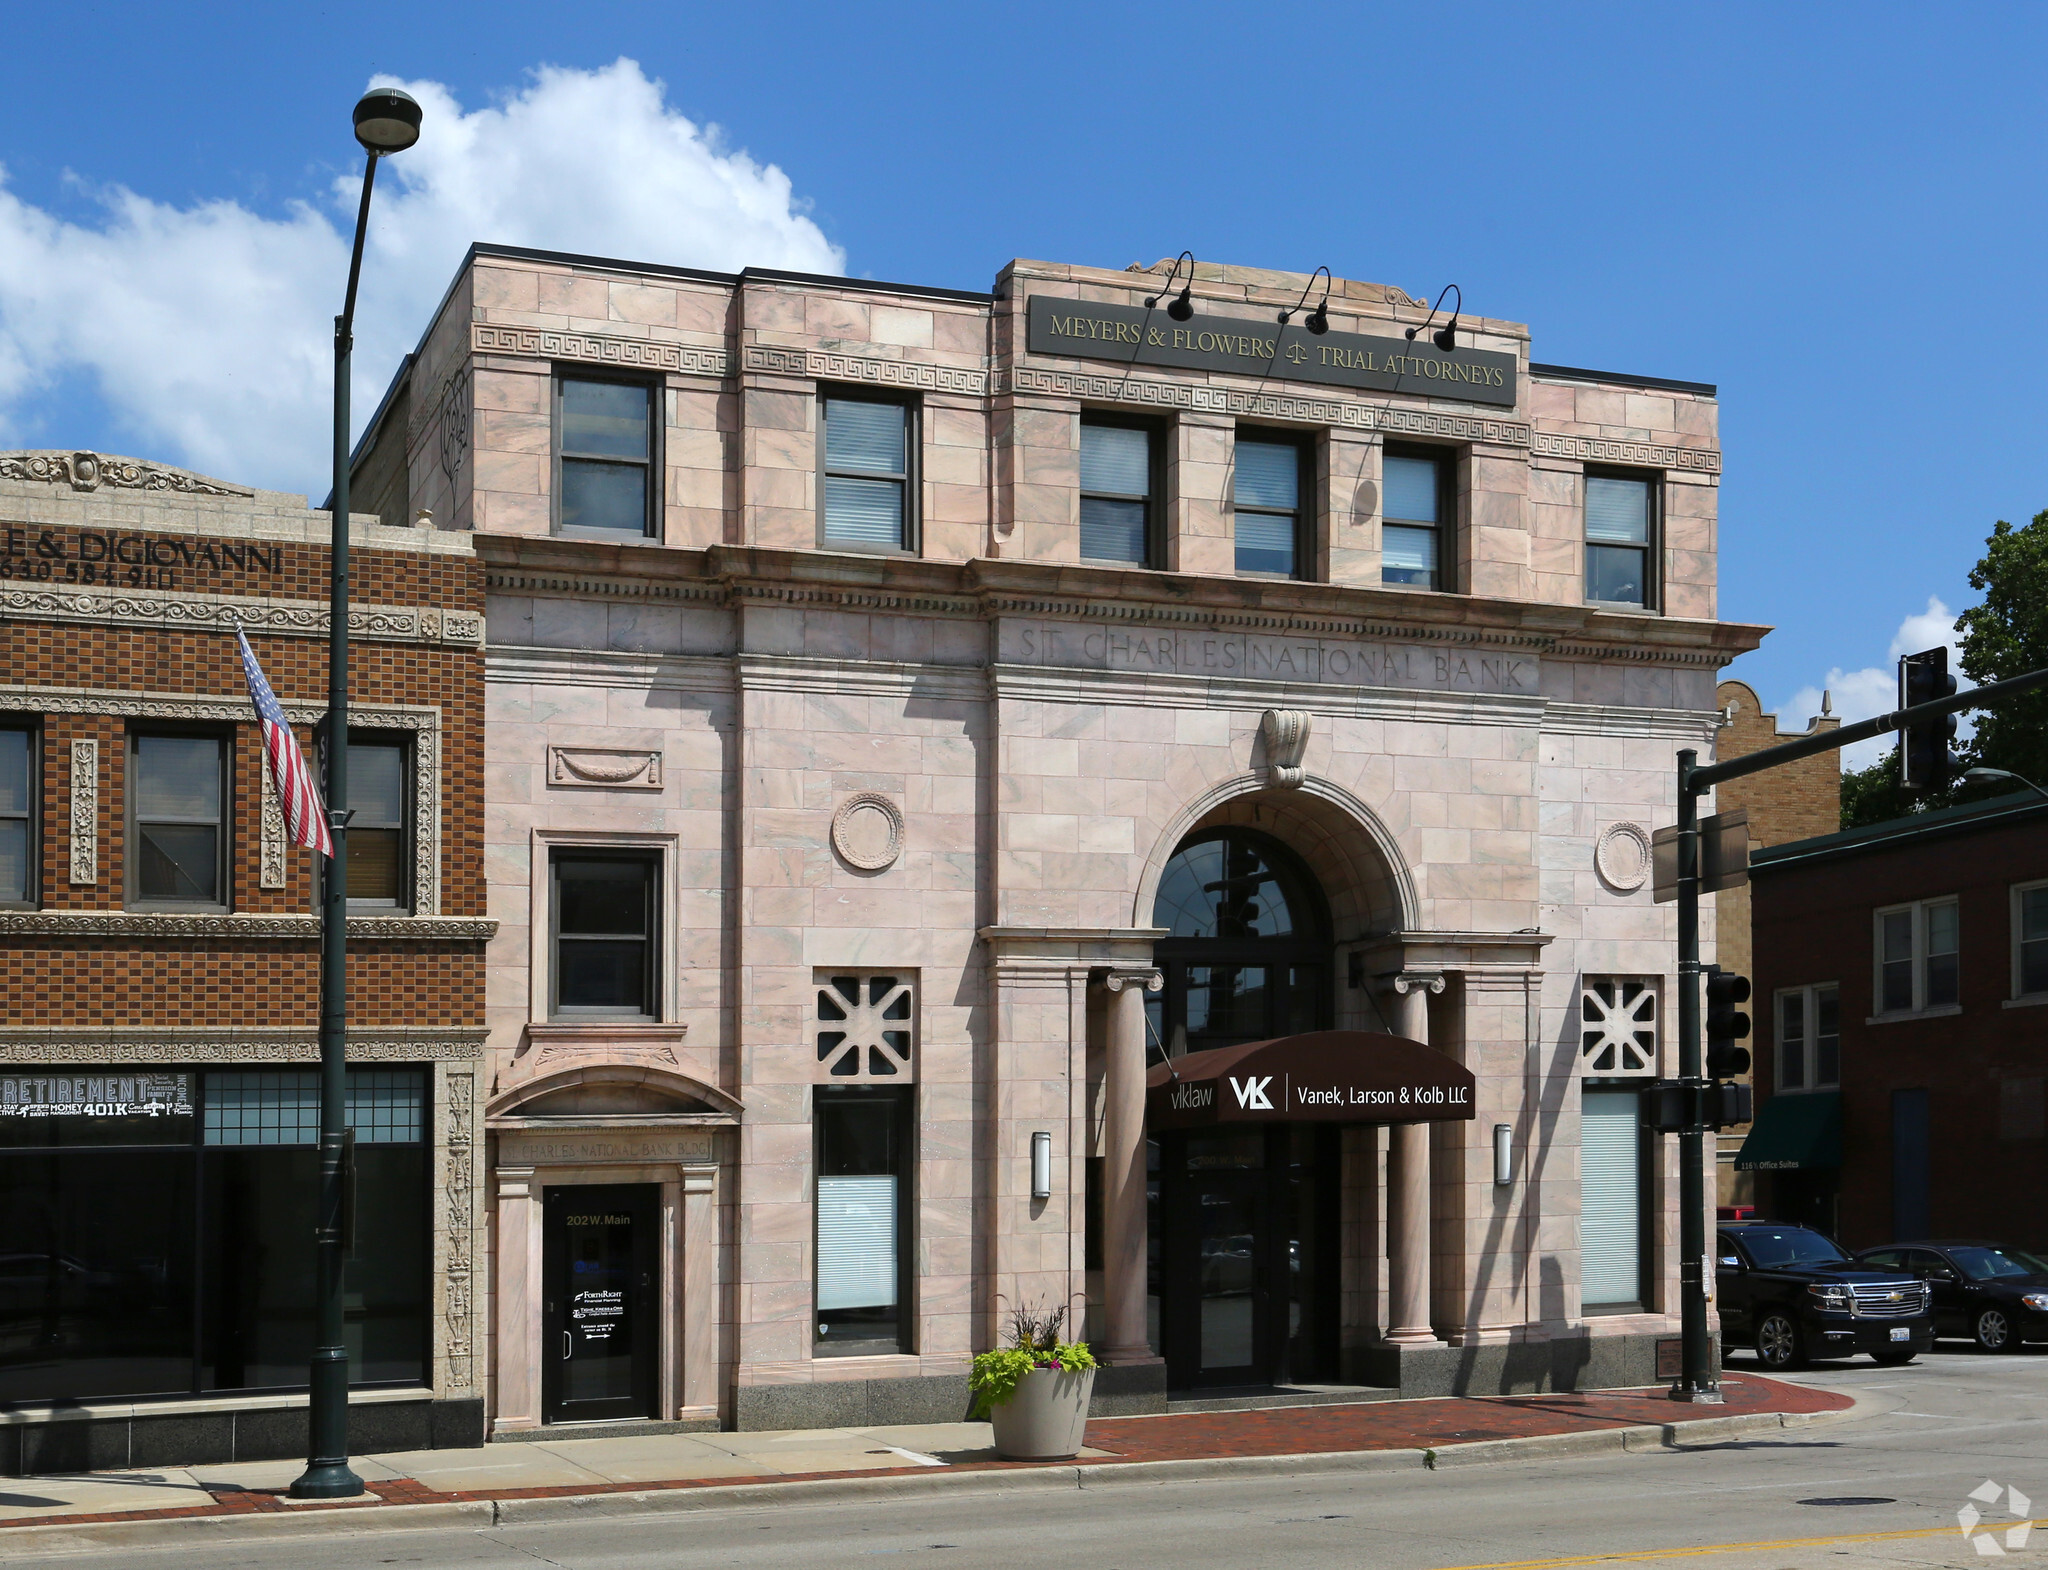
[601, 1330]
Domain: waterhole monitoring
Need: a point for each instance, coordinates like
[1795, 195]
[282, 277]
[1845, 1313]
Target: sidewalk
[1414, 1433]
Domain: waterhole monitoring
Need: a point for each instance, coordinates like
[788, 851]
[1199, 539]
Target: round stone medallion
[867, 831]
[1622, 857]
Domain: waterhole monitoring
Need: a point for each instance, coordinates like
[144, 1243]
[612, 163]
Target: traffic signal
[1725, 1103]
[1924, 762]
[1726, 1023]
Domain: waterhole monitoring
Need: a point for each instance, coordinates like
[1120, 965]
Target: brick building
[883, 683]
[158, 1108]
[1899, 968]
[1793, 801]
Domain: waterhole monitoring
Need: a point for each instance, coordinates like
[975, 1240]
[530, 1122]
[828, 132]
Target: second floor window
[18, 814]
[1810, 1038]
[1618, 533]
[1116, 494]
[1917, 957]
[867, 474]
[1266, 497]
[605, 458]
[604, 935]
[1412, 487]
[2030, 941]
[379, 865]
[178, 841]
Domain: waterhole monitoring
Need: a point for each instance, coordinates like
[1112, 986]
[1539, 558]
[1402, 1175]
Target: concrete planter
[1045, 1419]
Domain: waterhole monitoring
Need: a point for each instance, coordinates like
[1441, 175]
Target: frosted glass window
[856, 1242]
[282, 1107]
[605, 458]
[1267, 498]
[867, 473]
[17, 816]
[1610, 1200]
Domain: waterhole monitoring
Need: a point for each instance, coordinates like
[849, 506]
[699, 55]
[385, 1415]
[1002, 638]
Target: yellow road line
[1635, 1556]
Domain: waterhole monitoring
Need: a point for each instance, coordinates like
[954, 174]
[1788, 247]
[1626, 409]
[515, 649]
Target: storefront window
[1612, 1175]
[156, 1231]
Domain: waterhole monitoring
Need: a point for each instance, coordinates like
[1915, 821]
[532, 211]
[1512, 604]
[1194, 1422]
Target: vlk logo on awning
[1251, 1092]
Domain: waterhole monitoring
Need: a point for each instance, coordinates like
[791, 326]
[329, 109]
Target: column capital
[1403, 982]
[1114, 978]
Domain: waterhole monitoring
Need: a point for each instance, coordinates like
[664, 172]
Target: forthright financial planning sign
[1259, 346]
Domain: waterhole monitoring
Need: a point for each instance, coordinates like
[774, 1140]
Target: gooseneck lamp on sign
[1319, 319]
[387, 121]
[1446, 336]
[1182, 305]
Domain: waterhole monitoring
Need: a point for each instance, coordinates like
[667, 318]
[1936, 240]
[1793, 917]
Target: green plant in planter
[1034, 1343]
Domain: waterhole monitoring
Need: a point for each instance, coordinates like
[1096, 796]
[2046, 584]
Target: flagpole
[386, 120]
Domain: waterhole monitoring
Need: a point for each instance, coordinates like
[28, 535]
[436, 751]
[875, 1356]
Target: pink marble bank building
[916, 716]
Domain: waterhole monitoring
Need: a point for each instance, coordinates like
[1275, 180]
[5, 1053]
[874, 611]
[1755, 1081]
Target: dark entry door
[601, 1330]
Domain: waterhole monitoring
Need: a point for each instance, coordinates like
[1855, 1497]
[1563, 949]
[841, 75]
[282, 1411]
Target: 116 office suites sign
[1245, 347]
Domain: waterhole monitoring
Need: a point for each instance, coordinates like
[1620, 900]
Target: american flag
[305, 821]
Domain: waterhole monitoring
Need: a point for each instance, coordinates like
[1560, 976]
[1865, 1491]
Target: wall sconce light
[1041, 1165]
[1503, 1154]
[1319, 319]
[1446, 336]
[1182, 306]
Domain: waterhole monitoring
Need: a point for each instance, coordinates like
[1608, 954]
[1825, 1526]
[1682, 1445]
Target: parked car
[1793, 1293]
[1995, 1295]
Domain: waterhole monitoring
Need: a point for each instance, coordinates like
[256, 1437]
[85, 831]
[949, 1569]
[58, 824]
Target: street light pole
[386, 121]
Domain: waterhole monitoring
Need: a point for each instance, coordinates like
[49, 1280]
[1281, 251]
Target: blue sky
[1833, 212]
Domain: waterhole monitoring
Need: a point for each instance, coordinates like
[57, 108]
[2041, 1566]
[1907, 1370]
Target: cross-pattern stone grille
[865, 1023]
[1620, 1027]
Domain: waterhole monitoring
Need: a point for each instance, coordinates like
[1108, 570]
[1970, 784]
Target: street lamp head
[387, 120]
[1986, 776]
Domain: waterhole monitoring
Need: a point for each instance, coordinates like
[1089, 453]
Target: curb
[59, 1537]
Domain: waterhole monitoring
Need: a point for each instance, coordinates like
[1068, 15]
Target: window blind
[1610, 1198]
[856, 1242]
[1617, 511]
[1411, 489]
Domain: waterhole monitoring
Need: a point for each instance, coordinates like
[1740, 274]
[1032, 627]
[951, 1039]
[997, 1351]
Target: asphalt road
[1944, 1426]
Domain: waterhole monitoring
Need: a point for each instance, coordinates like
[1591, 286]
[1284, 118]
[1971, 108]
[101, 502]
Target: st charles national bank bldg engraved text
[912, 725]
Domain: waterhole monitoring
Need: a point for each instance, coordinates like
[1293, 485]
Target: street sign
[1724, 855]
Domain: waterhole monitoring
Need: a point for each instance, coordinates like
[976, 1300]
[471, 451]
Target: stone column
[519, 1286]
[1123, 1167]
[699, 1337]
[1408, 1183]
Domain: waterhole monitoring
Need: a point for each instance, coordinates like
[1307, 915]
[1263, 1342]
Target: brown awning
[1326, 1076]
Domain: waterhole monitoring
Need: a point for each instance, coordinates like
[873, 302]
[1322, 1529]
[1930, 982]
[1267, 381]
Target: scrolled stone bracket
[1286, 737]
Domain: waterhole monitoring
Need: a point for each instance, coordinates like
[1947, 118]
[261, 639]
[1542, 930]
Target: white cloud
[1860, 694]
[207, 330]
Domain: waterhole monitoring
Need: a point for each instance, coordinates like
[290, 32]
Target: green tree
[2007, 635]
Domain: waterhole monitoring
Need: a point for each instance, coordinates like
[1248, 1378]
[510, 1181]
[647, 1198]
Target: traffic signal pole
[1701, 1379]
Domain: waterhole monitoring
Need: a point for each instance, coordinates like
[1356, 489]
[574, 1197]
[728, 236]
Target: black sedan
[1995, 1295]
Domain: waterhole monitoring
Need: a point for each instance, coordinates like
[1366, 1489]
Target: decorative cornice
[223, 613]
[1150, 392]
[609, 668]
[639, 354]
[232, 928]
[869, 370]
[107, 1044]
[204, 706]
[1641, 455]
[90, 471]
[871, 678]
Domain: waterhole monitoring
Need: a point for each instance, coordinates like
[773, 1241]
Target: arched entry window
[1247, 955]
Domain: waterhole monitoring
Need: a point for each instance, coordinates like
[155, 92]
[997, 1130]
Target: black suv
[1793, 1293]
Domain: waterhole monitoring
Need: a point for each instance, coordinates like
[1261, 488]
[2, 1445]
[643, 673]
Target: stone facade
[121, 584]
[966, 762]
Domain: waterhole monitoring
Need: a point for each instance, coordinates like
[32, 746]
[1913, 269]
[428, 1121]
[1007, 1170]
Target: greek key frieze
[821, 366]
[636, 353]
[1642, 455]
